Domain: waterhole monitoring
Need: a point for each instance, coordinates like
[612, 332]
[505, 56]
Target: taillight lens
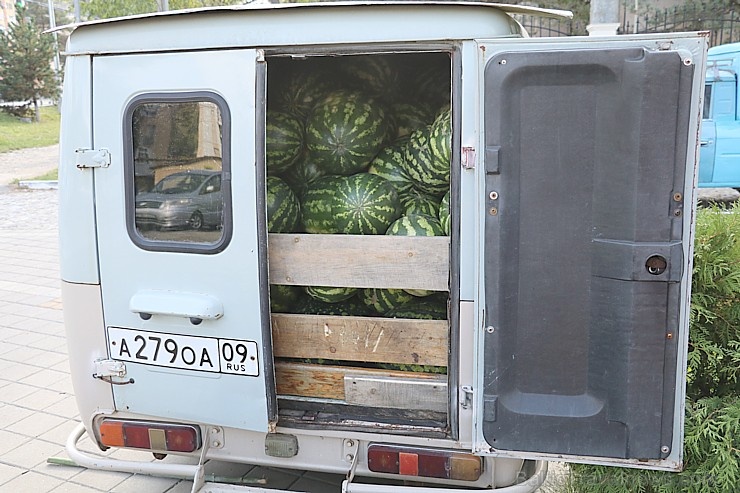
[149, 435]
[428, 463]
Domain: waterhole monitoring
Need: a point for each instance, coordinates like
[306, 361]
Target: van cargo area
[360, 310]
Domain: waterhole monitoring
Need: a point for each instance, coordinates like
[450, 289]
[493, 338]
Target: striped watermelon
[345, 131]
[384, 300]
[388, 164]
[415, 202]
[329, 294]
[317, 208]
[283, 141]
[444, 213]
[285, 299]
[432, 308]
[372, 74]
[416, 225]
[434, 82]
[408, 117]
[301, 174]
[300, 94]
[427, 174]
[346, 308]
[283, 208]
[365, 204]
[440, 139]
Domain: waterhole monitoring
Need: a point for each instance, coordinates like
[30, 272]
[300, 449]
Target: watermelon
[283, 208]
[428, 175]
[444, 213]
[317, 207]
[285, 299]
[388, 164]
[345, 132]
[384, 300]
[408, 117]
[416, 225]
[301, 174]
[432, 308]
[349, 307]
[415, 202]
[434, 83]
[283, 141]
[365, 204]
[440, 140]
[302, 92]
[330, 294]
[372, 74]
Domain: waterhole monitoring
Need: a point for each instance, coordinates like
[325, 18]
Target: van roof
[263, 5]
[267, 26]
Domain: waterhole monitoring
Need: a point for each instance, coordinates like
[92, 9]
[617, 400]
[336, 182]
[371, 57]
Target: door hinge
[466, 396]
[92, 158]
[108, 369]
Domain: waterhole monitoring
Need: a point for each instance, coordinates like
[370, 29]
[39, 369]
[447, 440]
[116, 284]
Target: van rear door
[181, 265]
[590, 149]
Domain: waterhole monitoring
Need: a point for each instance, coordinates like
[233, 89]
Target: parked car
[183, 200]
[719, 162]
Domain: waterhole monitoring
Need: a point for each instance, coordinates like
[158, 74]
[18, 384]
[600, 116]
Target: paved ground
[37, 406]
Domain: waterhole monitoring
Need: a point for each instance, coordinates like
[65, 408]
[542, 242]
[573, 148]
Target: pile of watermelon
[359, 145]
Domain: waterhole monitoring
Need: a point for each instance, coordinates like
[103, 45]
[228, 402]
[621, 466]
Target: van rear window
[177, 167]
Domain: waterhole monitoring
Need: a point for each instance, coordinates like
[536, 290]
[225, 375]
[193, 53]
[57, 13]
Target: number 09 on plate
[209, 354]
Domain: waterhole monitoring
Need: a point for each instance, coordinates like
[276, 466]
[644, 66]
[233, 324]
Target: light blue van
[719, 161]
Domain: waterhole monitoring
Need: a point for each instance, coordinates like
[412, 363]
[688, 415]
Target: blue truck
[719, 160]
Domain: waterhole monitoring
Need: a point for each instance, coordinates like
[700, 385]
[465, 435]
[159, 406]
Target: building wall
[7, 13]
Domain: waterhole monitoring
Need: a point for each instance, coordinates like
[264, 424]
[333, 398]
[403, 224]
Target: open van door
[182, 270]
[586, 253]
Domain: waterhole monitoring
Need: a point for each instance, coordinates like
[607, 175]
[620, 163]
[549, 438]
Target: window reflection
[178, 170]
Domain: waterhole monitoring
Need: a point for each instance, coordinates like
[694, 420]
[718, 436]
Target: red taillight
[148, 435]
[428, 463]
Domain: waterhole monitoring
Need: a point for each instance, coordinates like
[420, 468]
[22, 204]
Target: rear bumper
[196, 472]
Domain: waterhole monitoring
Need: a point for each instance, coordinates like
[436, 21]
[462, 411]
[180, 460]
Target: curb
[39, 184]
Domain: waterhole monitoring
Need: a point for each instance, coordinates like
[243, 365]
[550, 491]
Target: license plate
[209, 354]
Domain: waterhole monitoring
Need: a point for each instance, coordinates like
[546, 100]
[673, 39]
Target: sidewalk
[37, 405]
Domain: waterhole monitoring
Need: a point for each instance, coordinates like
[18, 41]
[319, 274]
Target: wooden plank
[370, 339]
[327, 382]
[372, 261]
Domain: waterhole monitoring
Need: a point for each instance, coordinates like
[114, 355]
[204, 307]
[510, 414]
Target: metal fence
[723, 24]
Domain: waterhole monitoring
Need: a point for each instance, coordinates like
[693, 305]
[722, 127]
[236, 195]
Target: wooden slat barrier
[328, 382]
[369, 339]
[372, 261]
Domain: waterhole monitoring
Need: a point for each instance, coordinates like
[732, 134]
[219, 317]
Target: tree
[26, 74]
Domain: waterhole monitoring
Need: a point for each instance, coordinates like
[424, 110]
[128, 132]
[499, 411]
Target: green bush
[712, 432]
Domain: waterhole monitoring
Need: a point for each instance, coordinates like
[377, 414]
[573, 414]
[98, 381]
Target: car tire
[196, 221]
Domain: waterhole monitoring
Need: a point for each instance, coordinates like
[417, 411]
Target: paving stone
[32, 482]
[8, 472]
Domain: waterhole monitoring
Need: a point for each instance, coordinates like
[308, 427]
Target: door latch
[466, 396]
[108, 369]
[92, 158]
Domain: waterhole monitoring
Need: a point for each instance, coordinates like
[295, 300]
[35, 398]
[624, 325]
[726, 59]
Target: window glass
[178, 167]
[707, 101]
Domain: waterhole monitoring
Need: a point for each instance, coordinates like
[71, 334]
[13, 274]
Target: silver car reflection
[184, 200]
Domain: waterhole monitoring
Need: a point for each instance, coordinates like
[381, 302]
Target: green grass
[48, 176]
[15, 134]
